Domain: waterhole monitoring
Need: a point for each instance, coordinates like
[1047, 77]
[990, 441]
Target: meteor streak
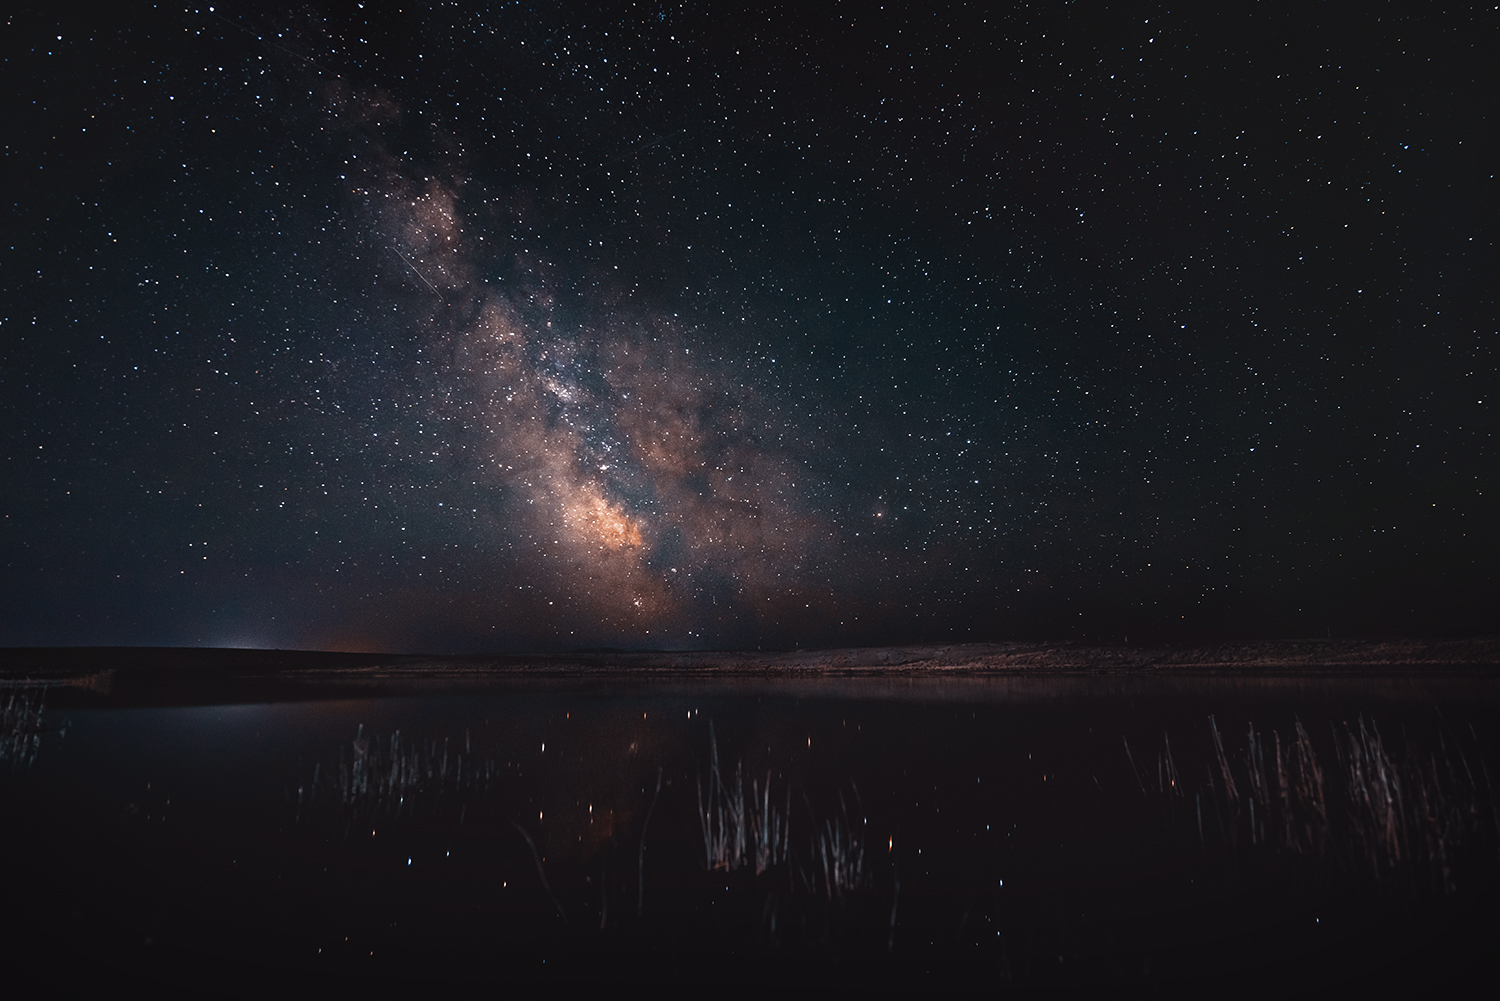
[419, 274]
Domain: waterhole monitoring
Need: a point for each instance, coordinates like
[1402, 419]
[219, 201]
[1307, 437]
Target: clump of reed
[749, 828]
[839, 856]
[383, 779]
[21, 726]
[741, 831]
[1370, 808]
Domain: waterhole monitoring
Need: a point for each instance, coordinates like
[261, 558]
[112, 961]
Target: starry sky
[543, 326]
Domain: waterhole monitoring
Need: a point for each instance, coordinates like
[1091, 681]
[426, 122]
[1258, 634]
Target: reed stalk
[1374, 810]
[738, 830]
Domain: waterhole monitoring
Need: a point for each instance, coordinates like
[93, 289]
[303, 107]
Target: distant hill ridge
[169, 665]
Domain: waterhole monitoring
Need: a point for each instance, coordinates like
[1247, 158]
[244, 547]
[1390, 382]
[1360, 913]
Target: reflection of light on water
[228, 712]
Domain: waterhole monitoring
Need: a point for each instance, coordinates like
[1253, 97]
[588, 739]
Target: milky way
[633, 475]
[533, 327]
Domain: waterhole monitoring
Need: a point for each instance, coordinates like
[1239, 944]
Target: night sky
[457, 329]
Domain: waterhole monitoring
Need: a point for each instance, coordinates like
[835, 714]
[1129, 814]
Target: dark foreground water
[1034, 835]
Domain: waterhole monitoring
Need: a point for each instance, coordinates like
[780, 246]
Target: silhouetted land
[190, 675]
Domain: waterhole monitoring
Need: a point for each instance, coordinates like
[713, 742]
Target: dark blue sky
[654, 325]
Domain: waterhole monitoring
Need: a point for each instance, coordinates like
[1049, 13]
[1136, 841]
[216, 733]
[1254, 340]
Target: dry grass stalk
[21, 726]
[840, 855]
[377, 779]
[740, 831]
[1376, 811]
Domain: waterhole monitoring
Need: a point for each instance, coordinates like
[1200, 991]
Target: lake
[1041, 833]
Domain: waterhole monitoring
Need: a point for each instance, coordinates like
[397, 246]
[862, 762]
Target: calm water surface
[1033, 833]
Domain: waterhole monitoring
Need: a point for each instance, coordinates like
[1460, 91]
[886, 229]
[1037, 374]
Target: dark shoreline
[188, 675]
